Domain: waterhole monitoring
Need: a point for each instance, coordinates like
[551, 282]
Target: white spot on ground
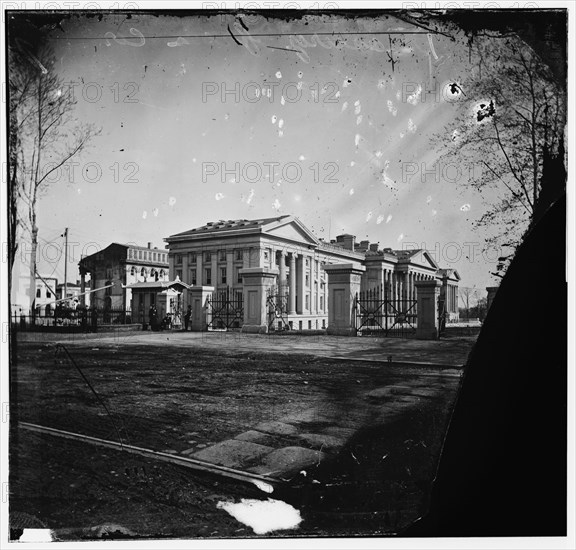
[219, 196]
[357, 139]
[278, 74]
[434, 212]
[282, 101]
[172, 201]
[155, 212]
[351, 192]
[389, 218]
[263, 516]
[379, 219]
[391, 107]
[276, 205]
[352, 163]
[300, 74]
[400, 237]
[428, 199]
[368, 216]
[299, 85]
[274, 119]
[378, 154]
[281, 123]
[280, 133]
[301, 157]
[250, 196]
[344, 106]
[465, 207]
[358, 120]
[411, 126]
[346, 82]
[144, 215]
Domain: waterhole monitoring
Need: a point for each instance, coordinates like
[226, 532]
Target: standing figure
[187, 317]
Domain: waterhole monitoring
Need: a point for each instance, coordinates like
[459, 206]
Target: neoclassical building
[116, 267]
[220, 256]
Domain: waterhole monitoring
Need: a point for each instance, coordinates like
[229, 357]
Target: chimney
[364, 246]
[347, 241]
[374, 247]
[149, 245]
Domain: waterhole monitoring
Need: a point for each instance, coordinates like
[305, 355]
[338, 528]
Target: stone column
[82, 288]
[427, 325]
[214, 268]
[301, 287]
[201, 316]
[257, 282]
[343, 283]
[230, 268]
[199, 268]
[282, 279]
[312, 286]
[292, 305]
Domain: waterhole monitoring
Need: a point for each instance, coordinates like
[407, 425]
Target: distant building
[118, 266]
[215, 254]
[45, 298]
[73, 291]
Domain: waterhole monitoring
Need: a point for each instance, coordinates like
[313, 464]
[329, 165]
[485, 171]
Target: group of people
[166, 322]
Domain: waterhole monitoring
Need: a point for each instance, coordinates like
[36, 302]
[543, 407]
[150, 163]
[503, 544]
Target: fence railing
[79, 319]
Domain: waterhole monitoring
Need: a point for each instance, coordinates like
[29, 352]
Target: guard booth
[166, 296]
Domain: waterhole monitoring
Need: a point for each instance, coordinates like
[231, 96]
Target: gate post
[198, 296]
[256, 281]
[343, 285]
[427, 293]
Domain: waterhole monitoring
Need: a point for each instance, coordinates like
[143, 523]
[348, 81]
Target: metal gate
[277, 305]
[379, 313]
[225, 310]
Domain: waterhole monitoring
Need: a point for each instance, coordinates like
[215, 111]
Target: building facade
[115, 268]
[217, 254]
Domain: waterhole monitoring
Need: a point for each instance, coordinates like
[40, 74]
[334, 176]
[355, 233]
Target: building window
[222, 255]
[307, 262]
[192, 257]
[207, 256]
[300, 325]
[321, 303]
[208, 276]
[178, 259]
[267, 254]
[192, 276]
[179, 274]
[238, 275]
[307, 280]
[309, 324]
[47, 293]
[223, 275]
[39, 293]
[139, 254]
[307, 301]
[323, 323]
[109, 273]
[133, 271]
[239, 254]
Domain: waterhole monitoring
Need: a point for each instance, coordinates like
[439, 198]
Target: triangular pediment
[292, 230]
[423, 258]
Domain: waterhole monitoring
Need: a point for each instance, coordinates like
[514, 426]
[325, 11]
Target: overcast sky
[346, 130]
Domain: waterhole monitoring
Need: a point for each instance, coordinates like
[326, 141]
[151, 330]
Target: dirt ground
[173, 398]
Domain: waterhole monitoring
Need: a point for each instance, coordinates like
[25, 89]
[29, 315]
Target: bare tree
[469, 297]
[44, 136]
[511, 117]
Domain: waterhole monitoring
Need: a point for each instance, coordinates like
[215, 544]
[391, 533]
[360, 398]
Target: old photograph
[282, 271]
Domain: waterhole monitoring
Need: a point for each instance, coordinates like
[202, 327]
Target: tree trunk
[33, 273]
